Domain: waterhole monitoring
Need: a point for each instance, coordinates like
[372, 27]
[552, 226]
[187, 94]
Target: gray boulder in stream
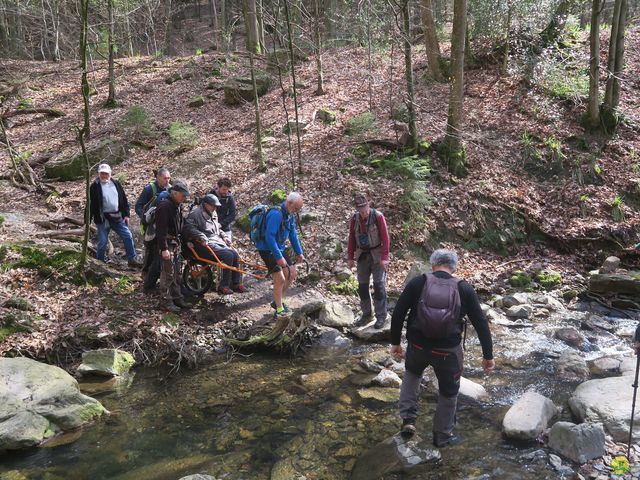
[607, 401]
[38, 400]
[395, 455]
[578, 443]
[528, 417]
[335, 314]
[369, 334]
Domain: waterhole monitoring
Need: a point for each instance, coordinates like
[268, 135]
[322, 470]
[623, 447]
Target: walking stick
[633, 406]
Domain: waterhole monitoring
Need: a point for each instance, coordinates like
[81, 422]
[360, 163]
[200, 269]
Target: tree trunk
[453, 149]
[293, 81]
[169, 48]
[251, 25]
[256, 103]
[593, 108]
[84, 31]
[215, 24]
[559, 20]
[83, 133]
[260, 19]
[432, 47]
[507, 40]
[406, 34]
[615, 66]
[320, 90]
[111, 100]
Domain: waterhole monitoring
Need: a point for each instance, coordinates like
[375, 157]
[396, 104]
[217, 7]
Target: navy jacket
[227, 211]
[95, 193]
[146, 196]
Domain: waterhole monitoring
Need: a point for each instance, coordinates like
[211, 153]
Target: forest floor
[540, 193]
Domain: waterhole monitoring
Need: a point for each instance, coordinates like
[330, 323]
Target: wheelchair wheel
[198, 279]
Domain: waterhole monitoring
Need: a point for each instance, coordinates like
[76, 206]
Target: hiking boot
[284, 305]
[180, 302]
[134, 263]
[441, 440]
[379, 323]
[170, 307]
[282, 314]
[408, 427]
[364, 320]
[239, 288]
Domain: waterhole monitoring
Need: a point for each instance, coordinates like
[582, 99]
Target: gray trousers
[171, 277]
[367, 268]
[447, 364]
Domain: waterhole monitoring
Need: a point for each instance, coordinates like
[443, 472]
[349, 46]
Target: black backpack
[439, 307]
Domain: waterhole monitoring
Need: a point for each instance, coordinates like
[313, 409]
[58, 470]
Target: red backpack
[439, 307]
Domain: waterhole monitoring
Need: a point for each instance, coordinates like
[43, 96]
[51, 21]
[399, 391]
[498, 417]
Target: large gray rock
[335, 314]
[571, 336]
[616, 284]
[605, 366]
[610, 265]
[469, 389]
[518, 311]
[331, 249]
[387, 378]
[528, 417]
[607, 401]
[108, 151]
[418, 268]
[370, 334]
[395, 455]
[238, 90]
[106, 361]
[38, 400]
[577, 442]
[571, 366]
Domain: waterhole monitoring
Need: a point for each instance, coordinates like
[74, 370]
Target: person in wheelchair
[203, 230]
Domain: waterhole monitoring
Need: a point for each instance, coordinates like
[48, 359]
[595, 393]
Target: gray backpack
[439, 307]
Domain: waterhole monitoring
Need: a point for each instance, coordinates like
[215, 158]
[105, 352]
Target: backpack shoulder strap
[154, 188]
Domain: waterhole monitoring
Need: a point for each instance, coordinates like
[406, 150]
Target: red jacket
[385, 241]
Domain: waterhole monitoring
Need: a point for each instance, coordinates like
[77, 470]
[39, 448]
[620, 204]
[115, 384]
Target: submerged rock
[331, 338]
[335, 314]
[382, 394]
[38, 400]
[571, 366]
[528, 417]
[387, 378]
[607, 401]
[571, 336]
[395, 455]
[106, 361]
[578, 443]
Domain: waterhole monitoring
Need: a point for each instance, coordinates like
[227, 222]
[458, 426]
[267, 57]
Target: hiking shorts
[270, 261]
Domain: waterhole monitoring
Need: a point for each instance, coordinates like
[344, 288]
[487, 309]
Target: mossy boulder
[520, 279]
[282, 58]
[196, 102]
[327, 116]
[37, 400]
[243, 222]
[240, 89]
[108, 151]
[549, 279]
[106, 362]
[19, 303]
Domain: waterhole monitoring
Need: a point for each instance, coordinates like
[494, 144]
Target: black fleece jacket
[95, 194]
[408, 302]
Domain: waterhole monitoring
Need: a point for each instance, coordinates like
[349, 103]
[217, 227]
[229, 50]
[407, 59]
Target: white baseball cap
[103, 167]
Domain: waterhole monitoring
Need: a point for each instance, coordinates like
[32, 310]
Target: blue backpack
[258, 226]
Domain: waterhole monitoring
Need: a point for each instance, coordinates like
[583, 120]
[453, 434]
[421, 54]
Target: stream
[256, 417]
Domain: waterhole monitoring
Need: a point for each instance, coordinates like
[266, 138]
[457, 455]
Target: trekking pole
[464, 335]
[633, 406]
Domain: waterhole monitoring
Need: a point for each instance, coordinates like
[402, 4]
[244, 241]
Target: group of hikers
[432, 305]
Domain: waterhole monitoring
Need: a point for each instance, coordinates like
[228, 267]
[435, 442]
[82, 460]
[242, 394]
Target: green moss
[60, 262]
[569, 294]
[414, 167]
[182, 137]
[327, 116]
[549, 279]
[7, 331]
[278, 196]
[346, 287]
[243, 222]
[171, 319]
[1, 220]
[19, 303]
[360, 124]
[91, 410]
[520, 279]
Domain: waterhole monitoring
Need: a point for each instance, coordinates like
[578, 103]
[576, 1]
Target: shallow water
[252, 417]
[236, 419]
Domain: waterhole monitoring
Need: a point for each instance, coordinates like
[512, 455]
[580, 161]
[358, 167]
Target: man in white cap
[110, 211]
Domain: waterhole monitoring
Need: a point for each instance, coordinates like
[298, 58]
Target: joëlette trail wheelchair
[201, 274]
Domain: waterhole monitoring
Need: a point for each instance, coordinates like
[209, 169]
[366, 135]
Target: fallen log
[286, 336]
[51, 112]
